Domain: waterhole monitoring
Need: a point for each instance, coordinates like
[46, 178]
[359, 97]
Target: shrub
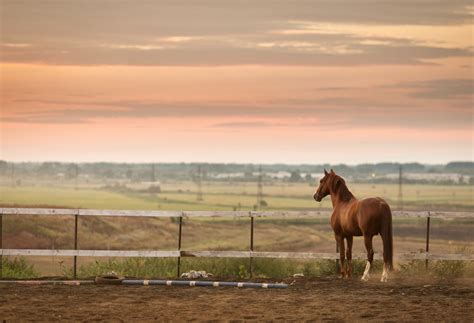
[18, 268]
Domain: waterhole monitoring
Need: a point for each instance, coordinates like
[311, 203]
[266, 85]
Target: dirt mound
[321, 299]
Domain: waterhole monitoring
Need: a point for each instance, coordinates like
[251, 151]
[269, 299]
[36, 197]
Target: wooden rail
[250, 254]
[222, 254]
[191, 214]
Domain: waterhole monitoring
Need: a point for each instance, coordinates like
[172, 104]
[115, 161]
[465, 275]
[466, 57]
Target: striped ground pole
[199, 283]
[145, 282]
[48, 282]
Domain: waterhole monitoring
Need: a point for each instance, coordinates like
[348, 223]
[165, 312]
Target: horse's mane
[342, 190]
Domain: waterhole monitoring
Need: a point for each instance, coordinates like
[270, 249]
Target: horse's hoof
[365, 278]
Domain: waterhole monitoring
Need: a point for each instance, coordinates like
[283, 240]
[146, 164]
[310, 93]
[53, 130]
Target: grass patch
[440, 269]
[130, 267]
[18, 268]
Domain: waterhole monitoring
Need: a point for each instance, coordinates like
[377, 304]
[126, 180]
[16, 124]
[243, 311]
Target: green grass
[18, 268]
[223, 267]
[228, 196]
[440, 269]
[70, 197]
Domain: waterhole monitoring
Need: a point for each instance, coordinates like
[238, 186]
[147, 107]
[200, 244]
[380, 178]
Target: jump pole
[47, 282]
[145, 282]
[199, 283]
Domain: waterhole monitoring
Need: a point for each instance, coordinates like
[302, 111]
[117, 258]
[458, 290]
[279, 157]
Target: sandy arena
[320, 299]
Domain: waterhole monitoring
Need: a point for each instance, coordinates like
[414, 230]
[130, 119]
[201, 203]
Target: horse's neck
[342, 196]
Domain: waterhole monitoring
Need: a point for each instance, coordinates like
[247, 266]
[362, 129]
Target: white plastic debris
[193, 274]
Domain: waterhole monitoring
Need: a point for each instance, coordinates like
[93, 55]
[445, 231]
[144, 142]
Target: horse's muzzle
[317, 198]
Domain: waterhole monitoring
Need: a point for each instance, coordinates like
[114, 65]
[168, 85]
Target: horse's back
[371, 213]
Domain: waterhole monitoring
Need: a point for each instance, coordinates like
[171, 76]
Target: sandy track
[320, 299]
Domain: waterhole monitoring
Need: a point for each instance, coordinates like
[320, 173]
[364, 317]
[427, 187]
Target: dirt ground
[307, 299]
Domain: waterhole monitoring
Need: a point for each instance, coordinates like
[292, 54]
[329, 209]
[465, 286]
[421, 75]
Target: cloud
[283, 53]
[213, 32]
[333, 112]
[441, 89]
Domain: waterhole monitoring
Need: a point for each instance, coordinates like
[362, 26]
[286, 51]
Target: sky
[283, 81]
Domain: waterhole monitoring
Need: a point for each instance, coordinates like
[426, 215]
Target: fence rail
[223, 254]
[77, 213]
[192, 214]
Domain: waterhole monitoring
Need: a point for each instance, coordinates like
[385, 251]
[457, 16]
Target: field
[230, 196]
[443, 292]
[218, 233]
[307, 299]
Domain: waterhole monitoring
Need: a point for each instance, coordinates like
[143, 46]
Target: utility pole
[400, 193]
[259, 187]
[76, 175]
[152, 177]
[13, 175]
[199, 184]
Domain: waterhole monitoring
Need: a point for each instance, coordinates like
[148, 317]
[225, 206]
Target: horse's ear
[325, 172]
[332, 171]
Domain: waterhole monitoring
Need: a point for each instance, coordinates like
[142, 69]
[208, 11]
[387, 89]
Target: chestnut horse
[352, 217]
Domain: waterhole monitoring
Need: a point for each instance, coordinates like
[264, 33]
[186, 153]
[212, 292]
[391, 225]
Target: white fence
[178, 253]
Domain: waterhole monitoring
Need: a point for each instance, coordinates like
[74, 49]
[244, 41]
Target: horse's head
[325, 184]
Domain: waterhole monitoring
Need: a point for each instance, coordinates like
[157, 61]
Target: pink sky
[288, 86]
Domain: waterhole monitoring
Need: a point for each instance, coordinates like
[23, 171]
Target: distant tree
[129, 173]
[46, 169]
[72, 171]
[461, 167]
[108, 173]
[295, 176]
[3, 167]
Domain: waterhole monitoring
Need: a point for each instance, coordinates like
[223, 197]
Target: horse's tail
[386, 234]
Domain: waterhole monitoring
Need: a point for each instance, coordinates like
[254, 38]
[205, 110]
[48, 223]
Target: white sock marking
[366, 274]
[384, 277]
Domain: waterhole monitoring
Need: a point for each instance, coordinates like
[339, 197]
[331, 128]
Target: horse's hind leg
[349, 256]
[370, 256]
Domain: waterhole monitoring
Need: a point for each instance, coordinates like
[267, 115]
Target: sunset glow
[166, 81]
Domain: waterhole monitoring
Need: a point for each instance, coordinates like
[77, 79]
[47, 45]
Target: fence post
[251, 242]
[427, 249]
[1, 245]
[178, 270]
[76, 219]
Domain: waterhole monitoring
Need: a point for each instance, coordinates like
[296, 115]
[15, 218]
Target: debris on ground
[193, 274]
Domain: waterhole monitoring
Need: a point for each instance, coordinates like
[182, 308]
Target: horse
[352, 217]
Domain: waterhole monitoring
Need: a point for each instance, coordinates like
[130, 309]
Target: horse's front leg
[349, 256]
[340, 243]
